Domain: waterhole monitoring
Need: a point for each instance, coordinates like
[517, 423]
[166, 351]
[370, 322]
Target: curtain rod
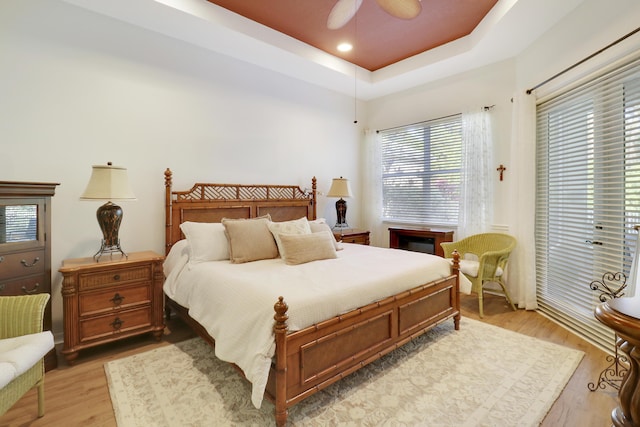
[485, 108]
[529, 91]
[416, 123]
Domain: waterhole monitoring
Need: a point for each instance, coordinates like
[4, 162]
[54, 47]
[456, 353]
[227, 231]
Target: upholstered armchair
[483, 259]
[23, 345]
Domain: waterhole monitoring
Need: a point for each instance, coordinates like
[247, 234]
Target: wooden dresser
[352, 235]
[111, 299]
[25, 244]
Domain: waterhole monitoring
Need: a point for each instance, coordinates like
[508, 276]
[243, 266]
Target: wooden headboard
[212, 202]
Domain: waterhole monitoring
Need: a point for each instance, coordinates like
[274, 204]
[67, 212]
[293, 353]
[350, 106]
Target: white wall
[78, 89]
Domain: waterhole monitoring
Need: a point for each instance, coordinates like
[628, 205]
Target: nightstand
[352, 235]
[111, 299]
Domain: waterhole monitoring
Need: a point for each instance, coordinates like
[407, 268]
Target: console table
[623, 316]
[419, 239]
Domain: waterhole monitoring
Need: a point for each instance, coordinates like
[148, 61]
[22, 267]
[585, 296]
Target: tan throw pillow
[301, 248]
[321, 225]
[296, 226]
[249, 239]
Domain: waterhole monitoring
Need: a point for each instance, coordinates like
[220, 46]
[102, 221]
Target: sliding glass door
[588, 194]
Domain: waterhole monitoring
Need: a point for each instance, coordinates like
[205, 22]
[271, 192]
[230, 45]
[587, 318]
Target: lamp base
[341, 226]
[341, 215]
[109, 249]
[109, 218]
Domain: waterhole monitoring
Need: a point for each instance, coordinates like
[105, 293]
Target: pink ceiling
[380, 39]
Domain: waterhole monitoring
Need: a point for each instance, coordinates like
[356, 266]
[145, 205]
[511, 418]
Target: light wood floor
[78, 395]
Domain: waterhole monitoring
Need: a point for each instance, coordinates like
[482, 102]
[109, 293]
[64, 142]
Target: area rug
[481, 375]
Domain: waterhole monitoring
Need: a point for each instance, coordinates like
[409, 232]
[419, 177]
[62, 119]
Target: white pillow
[320, 224]
[470, 268]
[296, 226]
[207, 241]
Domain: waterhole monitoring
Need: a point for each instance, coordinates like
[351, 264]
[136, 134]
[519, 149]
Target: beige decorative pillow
[250, 239]
[302, 248]
[320, 224]
[296, 226]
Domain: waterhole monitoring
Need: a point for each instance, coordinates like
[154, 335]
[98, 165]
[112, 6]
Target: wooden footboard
[311, 359]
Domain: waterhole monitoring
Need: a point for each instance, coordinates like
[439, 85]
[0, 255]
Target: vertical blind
[588, 196]
[421, 172]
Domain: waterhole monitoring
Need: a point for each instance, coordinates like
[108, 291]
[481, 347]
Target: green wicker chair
[492, 251]
[21, 323]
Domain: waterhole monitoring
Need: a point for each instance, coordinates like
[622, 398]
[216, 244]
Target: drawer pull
[116, 277]
[117, 324]
[2, 286]
[32, 290]
[26, 264]
[117, 299]
[1, 258]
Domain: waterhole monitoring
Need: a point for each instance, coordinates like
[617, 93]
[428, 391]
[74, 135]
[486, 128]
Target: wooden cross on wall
[501, 169]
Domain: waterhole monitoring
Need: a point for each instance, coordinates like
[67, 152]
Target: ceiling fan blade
[403, 9]
[342, 13]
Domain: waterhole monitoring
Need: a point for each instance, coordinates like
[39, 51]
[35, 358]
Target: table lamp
[109, 183]
[340, 188]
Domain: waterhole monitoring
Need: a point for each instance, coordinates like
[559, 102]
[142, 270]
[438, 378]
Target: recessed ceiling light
[345, 47]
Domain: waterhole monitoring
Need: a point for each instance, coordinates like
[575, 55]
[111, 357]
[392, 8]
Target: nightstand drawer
[114, 277]
[359, 239]
[352, 235]
[117, 323]
[29, 285]
[22, 264]
[110, 300]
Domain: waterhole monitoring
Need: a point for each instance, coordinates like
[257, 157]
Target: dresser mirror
[20, 226]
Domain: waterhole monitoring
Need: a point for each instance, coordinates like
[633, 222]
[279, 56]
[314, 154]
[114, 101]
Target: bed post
[167, 210]
[455, 269]
[313, 195]
[280, 331]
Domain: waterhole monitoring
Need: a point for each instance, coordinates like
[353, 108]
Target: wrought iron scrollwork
[605, 286]
[613, 374]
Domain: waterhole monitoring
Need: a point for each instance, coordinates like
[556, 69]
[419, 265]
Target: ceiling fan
[344, 10]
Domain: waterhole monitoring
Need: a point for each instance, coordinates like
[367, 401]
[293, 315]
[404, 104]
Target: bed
[309, 349]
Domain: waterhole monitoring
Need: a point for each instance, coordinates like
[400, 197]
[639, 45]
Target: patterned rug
[480, 375]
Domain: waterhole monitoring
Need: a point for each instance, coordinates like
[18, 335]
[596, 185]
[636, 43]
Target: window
[588, 196]
[421, 172]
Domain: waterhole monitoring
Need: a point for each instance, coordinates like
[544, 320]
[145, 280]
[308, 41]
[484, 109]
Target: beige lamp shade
[108, 183]
[339, 188]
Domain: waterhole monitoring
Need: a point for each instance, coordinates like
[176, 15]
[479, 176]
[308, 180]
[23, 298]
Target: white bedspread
[234, 302]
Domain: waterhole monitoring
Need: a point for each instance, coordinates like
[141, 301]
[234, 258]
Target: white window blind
[421, 172]
[588, 196]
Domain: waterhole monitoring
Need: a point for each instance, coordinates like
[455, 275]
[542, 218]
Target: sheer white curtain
[634, 274]
[522, 195]
[372, 194]
[476, 173]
